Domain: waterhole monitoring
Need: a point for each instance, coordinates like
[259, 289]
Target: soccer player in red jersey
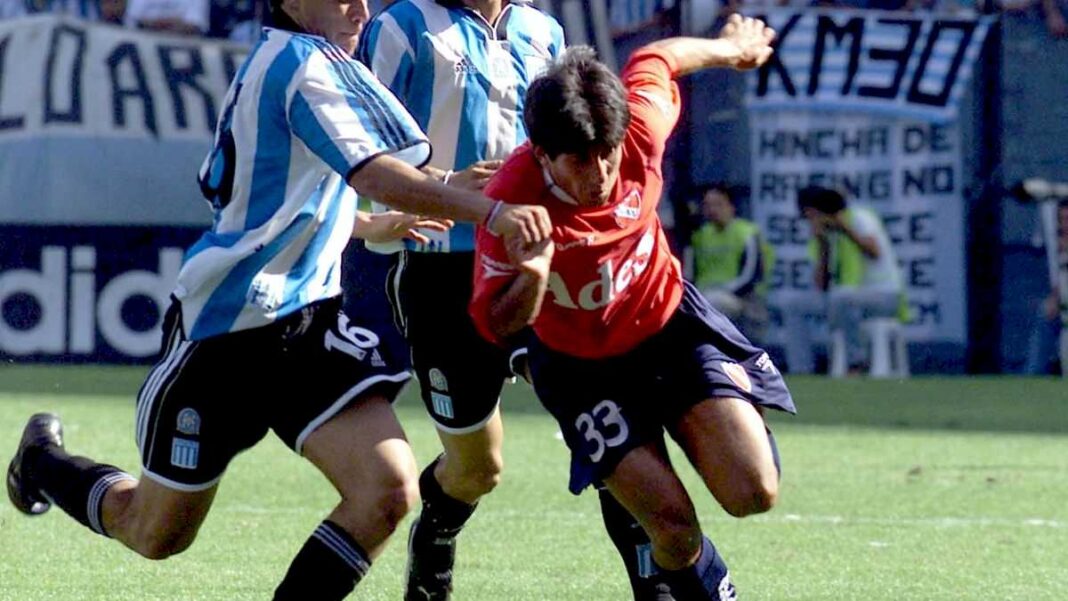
[624, 349]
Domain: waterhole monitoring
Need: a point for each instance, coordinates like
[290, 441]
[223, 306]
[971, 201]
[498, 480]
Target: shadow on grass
[967, 403]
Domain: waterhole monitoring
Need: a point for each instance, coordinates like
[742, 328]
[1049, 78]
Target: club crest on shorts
[737, 375]
[442, 404]
[189, 421]
[437, 380]
[185, 453]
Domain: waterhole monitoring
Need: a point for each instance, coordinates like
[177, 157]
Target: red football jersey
[614, 281]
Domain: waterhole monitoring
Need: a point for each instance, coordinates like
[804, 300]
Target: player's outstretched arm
[744, 43]
[398, 185]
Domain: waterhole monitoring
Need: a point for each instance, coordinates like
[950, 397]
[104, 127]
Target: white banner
[866, 102]
[908, 171]
[105, 125]
[63, 76]
[912, 64]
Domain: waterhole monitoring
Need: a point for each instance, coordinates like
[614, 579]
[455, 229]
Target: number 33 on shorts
[604, 427]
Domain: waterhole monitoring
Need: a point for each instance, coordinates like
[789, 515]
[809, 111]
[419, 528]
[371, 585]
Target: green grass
[926, 489]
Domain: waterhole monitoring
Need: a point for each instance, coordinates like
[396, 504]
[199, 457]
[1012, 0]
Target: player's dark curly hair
[578, 107]
[824, 200]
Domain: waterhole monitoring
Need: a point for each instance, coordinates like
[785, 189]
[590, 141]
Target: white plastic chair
[889, 349]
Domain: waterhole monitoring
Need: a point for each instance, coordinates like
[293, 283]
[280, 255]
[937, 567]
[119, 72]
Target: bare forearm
[695, 54]
[518, 306]
[405, 188]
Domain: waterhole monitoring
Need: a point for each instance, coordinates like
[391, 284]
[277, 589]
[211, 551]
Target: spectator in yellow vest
[854, 262]
[731, 263]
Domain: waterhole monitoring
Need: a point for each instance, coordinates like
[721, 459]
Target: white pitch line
[772, 518]
[934, 522]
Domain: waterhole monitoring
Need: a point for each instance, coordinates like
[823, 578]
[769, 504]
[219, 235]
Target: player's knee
[485, 477]
[393, 499]
[757, 496]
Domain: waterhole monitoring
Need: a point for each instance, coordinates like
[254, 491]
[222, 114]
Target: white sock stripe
[148, 392]
[96, 497]
[339, 545]
[325, 538]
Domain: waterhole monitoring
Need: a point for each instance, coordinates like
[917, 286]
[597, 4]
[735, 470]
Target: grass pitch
[923, 489]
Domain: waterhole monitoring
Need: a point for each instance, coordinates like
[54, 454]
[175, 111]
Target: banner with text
[866, 102]
[105, 125]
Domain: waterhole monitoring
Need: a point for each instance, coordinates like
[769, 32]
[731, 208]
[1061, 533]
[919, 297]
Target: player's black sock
[442, 515]
[327, 568]
[76, 484]
[706, 579]
[634, 548]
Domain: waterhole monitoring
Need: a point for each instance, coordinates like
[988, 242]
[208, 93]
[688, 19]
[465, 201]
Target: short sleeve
[346, 117]
[493, 274]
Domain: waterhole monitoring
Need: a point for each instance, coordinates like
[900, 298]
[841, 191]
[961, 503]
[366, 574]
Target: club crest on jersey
[189, 422]
[630, 208]
[737, 375]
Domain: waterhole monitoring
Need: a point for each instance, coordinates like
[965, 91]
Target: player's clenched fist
[528, 224]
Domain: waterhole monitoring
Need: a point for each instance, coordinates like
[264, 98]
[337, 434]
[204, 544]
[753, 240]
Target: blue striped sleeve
[346, 117]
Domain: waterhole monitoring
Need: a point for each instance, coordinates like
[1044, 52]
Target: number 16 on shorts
[603, 427]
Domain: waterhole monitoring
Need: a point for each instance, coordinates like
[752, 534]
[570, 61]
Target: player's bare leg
[727, 441]
[153, 520]
[365, 455]
[469, 468]
[471, 465]
[688, 561]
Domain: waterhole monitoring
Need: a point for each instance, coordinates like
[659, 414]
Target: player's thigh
[363, 449]
[477, 451]
[726, 440]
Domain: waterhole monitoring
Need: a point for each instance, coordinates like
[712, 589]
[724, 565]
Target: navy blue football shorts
[608, 407]
[460, 373]
[207, 400]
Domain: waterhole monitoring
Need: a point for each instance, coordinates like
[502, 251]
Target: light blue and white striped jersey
[300, 116]
[463, 79]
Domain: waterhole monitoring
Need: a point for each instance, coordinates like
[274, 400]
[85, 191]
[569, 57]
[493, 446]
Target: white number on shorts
[356, 340]
[607, 413]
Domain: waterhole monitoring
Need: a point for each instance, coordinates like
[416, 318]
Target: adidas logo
[376, 359]
[465, 66]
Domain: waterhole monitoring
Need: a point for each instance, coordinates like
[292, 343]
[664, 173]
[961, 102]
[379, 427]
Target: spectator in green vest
[854, 264]
[731, 263]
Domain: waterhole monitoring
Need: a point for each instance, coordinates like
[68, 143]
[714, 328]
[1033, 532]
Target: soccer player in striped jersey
[254, 339]
[624, 349]
[462, 69]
